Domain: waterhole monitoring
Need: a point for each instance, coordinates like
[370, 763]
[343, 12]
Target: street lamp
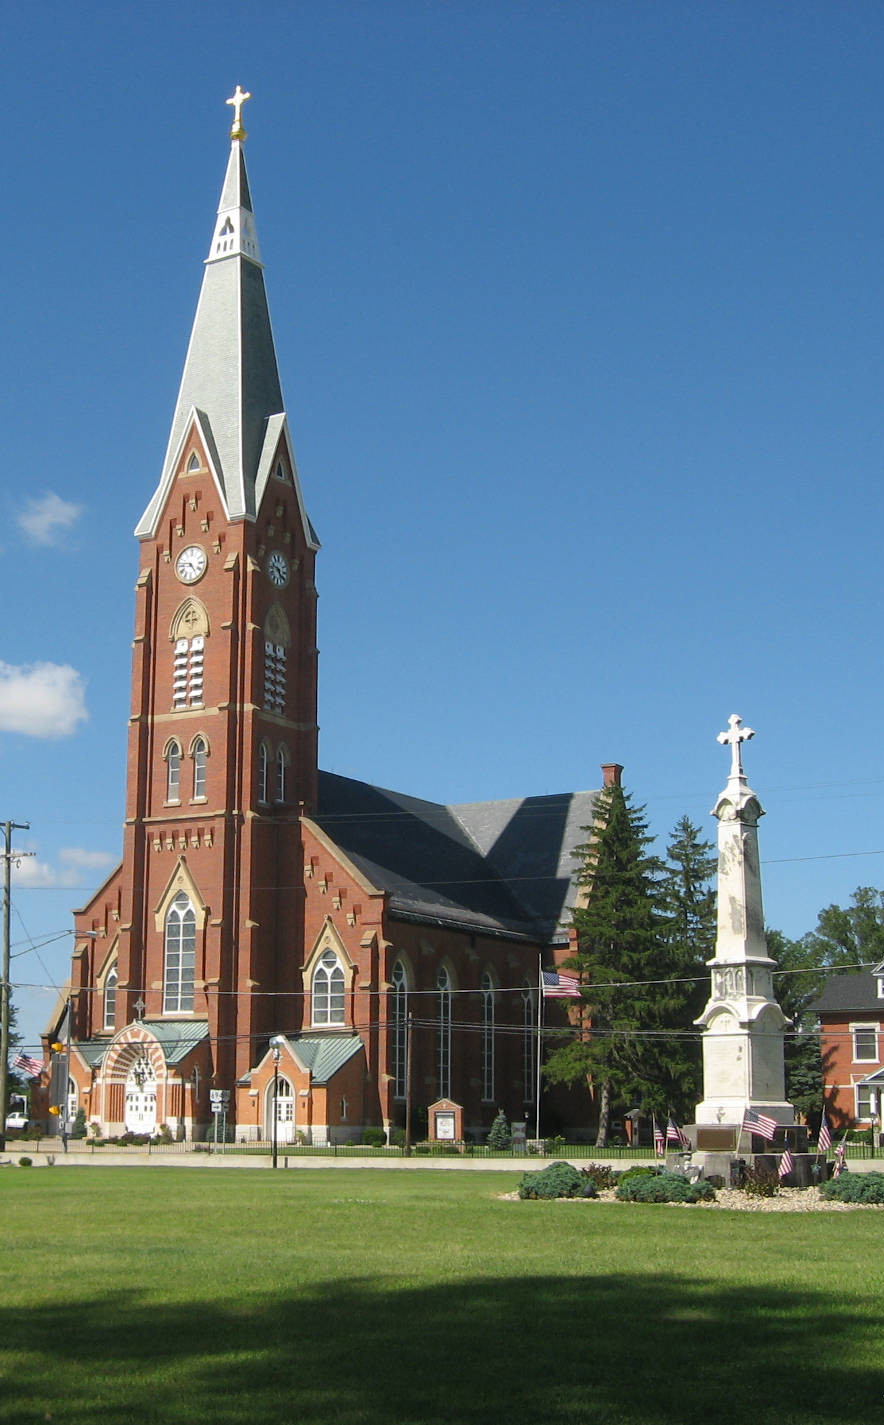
[276, 1044]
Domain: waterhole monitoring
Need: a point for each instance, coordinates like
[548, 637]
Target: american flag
[558, 986]
[659, 1140]
[755, 1122]
[29, 1064]
[825, 1142]
[840, 1158]
[787, 1163]
[674, 1134]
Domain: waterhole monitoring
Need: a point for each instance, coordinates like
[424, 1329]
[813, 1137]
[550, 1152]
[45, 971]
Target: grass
[366, 1297]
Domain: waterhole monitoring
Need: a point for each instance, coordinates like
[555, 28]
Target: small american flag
[659, 1141]
[674, 1134]
[28, 1064]
[558, 986]
[787, 1163]
[755, 1122]
[825, 1142]
[840, 1158]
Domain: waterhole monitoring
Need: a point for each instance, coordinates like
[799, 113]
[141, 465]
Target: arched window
[328, 990]
[110, 998]
[193, 464]
[399, 1029]
[487, 1037]
[282, 765]
[173, 771]
[263, 772]
[180, 956]
[443, 1037]
[199, 753]
[529, 1045]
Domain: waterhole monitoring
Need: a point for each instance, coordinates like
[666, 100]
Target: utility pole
[8, 857]
[409, 1038]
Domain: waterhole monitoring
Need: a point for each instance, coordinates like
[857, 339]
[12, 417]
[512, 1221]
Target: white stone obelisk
[743, 1024]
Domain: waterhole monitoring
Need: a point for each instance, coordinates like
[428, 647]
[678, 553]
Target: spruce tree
[500, 1138]
[689, 905]
[624, 1044]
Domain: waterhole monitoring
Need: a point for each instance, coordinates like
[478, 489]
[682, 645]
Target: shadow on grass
[544, 1350]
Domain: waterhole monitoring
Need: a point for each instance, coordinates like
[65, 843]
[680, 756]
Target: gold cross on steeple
[237, 100]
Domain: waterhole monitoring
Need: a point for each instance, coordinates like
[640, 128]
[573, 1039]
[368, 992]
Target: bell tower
[222, 733]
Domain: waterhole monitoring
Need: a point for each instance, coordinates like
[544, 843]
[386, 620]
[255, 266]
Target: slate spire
[231, 382]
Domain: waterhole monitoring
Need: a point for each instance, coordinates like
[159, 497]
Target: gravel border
[733, 1200]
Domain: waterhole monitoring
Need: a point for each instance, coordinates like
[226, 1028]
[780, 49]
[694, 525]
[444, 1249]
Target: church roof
[176, 1037]
[324, 1054]
[230, 386]
[500, 867]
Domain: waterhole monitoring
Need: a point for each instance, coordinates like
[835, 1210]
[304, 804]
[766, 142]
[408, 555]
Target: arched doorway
[285, 1111]
[141, 1097]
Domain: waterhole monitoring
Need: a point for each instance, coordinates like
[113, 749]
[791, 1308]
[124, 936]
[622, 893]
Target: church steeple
[230, 390]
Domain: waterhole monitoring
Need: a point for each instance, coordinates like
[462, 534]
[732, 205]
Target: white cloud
[29, 871]
[41, 699]
[46, 519]
[88, 860]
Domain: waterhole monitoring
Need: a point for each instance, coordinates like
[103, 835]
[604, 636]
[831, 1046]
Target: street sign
[219, 1099]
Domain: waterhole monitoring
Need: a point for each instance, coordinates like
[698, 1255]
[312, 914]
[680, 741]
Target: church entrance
[285, 1111]
[141, 1098]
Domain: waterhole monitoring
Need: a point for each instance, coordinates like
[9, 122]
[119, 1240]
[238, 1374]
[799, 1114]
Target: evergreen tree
[689, 905]
[500, 1137]
[624, 1043]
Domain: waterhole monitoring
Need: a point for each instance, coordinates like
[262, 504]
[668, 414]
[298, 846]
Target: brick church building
[267, 915]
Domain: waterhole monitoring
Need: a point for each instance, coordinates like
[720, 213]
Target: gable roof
[500, 868]
[852, 992]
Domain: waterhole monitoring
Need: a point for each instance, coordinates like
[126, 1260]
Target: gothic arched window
[263, 772]
[443, 1034]
[487, 1037]
[173, 771]
[328, 990]
[282, 765]
[529, 1045]
[199, 752]
[110, 999]
[180, 956]
[399, 1029]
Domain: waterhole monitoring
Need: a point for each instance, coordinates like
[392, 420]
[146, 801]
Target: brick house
[851, 1014]
[258, 897]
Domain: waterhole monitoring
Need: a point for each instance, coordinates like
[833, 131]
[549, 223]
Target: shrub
[397, 1137]
[759, 1181]
[500, 1138]
[854, 1187]
[556, 1180]
[647, 1170]
[601, 1175]
[26, 1162]
[663, 1187]
[79, 1125]
[374, 1137]
[163, 1134]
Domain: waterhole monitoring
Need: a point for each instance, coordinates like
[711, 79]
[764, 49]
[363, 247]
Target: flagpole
[539, 1042]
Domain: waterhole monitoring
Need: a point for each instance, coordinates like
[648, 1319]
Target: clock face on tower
[191, 564]
[278, 569]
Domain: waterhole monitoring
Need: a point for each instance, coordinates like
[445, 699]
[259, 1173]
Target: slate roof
[855, 992]
[501, 867]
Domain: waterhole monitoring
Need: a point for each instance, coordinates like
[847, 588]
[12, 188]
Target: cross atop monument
[735, 734]
[237, 100]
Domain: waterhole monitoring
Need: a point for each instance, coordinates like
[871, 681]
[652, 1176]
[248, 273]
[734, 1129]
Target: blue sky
[580, 316]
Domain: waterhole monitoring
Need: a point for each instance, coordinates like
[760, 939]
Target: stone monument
[742, 1023]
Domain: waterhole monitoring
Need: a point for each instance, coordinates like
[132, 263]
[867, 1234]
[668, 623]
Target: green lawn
[368, 1297]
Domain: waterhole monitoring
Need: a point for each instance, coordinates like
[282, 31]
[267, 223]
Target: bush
[79, 1126]
[397, 1137]
[601, 1175]
[649, 1170]
[663, 1187]
[163, 1134]
[26, 1162]
[854, 1187]
[557, 1180]
[374, 1137]
[500, 1138]
[758, 1181]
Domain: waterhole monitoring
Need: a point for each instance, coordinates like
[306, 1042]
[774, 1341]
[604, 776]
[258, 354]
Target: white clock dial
[278, 569]
[191, 564]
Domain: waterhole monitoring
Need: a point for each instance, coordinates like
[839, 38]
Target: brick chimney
[611, 772]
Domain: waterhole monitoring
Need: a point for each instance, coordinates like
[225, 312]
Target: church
[321, 951]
